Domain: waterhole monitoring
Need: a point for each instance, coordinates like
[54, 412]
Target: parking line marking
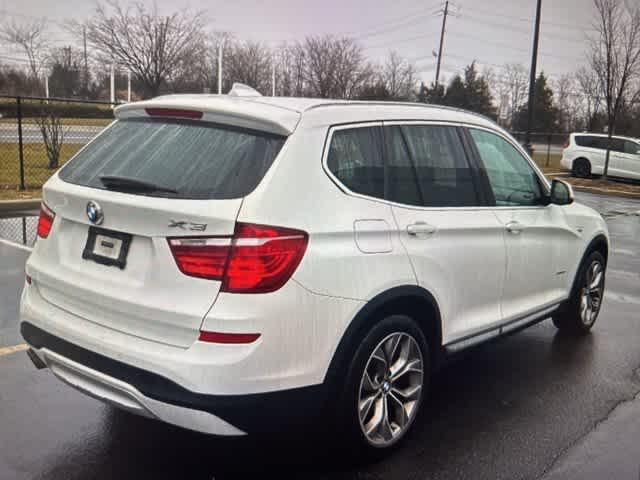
[14, 244]
[16, 348]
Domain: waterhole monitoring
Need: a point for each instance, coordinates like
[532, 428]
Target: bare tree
[248, 63]
[515, 79]
[399, 77]
[335, 67]
[30, 38]
[615, 57]
[52, 130]
[290, 68]
[154, 47]
[588, 88]
[567, 103]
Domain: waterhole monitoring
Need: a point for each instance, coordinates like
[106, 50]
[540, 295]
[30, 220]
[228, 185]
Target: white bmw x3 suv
[240, 264]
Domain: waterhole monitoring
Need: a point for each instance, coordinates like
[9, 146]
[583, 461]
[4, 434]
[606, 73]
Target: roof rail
[404, 104]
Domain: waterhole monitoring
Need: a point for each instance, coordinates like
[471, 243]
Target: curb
[602, 191]
[8, 206]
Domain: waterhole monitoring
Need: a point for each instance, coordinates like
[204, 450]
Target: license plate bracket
[107, 247]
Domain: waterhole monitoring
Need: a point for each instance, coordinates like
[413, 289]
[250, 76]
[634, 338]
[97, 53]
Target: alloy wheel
[591, 293]
[390, 389]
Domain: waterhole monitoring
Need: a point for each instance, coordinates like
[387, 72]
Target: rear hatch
[118, 204]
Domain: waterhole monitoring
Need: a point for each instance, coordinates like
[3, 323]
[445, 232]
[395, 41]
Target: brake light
[263, 258]
[258, 259]
[28, 278]
[45, 221]
[174, 112]
[201, 257]
[567, 142]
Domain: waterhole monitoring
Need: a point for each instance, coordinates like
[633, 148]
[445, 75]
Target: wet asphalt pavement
[506, 410]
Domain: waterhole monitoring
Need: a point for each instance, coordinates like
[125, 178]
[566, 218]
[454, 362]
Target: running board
[501, 330]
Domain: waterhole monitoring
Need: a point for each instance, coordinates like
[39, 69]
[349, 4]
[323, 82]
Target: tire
[372, 388]
[581, 310]
[581, 168]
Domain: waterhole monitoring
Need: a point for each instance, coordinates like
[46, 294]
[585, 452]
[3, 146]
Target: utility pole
[86, 64]
[273, 75]
[220, 47]
[113, 85]
[444, 24]
[532, 80]
[46, 85]
[129, 86]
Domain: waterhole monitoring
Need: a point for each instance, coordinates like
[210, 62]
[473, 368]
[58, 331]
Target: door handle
[514, 227]
[420, 228]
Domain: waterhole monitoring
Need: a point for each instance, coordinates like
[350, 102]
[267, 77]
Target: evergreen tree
[545, 113]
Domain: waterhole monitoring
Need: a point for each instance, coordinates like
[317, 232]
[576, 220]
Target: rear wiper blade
[117, 182]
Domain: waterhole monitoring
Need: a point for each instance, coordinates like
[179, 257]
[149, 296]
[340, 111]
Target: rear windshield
[196, 160]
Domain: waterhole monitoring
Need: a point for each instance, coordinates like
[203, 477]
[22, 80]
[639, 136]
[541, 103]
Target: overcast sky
[493, 32]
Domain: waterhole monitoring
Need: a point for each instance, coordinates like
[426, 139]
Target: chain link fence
[19, 229]
[547, 146]
[38, 135]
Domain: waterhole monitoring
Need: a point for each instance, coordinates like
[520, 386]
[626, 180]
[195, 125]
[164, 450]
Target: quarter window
[355, 158]
[513, 181]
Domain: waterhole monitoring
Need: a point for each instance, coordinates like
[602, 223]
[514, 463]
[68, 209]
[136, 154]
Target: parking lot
[505, 410]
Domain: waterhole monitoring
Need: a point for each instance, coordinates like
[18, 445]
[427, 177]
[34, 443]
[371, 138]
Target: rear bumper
[149, 394]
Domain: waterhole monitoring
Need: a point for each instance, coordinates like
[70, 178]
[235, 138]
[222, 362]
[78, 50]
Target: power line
[528, 20]
[421, 10]
[413, 21]
[404, 40]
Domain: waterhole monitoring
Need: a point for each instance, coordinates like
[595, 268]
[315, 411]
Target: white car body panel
[149, 315]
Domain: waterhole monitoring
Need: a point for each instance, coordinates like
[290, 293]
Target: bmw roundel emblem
[94, 213]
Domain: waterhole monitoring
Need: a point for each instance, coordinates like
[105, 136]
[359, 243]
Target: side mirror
[561, 192]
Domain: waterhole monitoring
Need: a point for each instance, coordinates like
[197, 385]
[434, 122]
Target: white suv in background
[239, 264]
[585, 154]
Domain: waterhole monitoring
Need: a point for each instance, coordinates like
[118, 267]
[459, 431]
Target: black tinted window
[355, 158]
[512, 179]
[427, 166]
[196, 159]
[631, 148]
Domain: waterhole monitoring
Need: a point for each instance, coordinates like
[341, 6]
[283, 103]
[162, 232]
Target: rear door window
[196, 160]
[631, 148]
[427, 166]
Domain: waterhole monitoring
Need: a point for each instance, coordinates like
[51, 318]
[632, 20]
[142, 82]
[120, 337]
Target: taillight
[45, 222]
[258, 259]
[567, 142]
[201, 257]
[263, 258]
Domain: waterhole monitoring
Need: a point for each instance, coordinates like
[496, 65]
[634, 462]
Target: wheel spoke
[407, 394]
[367, 383]
[377, 418]
[390, 348]
[380, 356]
[366, 404]
[596, 280]
[401, 416]
[385, 428]
[411, 366]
